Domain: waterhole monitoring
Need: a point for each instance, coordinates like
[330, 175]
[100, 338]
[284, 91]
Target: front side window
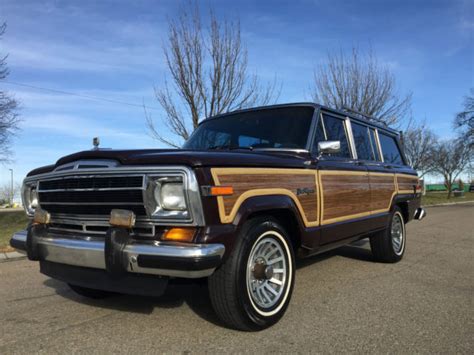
[284, 128]
[362, 142]
[391, 152]
[336, 131]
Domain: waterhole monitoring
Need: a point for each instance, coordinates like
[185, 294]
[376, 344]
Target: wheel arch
[280, 207]
[405, 205]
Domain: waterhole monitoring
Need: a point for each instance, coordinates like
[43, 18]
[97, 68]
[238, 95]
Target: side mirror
[329, 147]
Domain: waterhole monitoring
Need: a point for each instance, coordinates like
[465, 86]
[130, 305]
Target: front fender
[276, 205]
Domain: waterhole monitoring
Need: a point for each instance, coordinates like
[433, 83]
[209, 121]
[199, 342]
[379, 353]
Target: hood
[192, 158]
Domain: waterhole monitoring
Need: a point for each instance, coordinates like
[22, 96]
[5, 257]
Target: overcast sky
[113, 50]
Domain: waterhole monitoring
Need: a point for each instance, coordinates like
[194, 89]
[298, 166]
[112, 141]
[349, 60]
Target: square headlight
[166, 197]
[29, 196]
[171, 196]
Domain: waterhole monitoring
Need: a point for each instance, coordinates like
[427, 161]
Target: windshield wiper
[229, 147]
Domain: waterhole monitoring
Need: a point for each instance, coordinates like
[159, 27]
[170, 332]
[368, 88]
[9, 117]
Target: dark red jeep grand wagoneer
[248, 193]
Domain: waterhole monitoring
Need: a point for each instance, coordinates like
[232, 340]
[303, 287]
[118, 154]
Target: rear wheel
[90, 292]
[252, 290]
[389, 245]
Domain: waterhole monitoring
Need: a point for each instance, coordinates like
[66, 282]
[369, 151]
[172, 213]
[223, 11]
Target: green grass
[10, 222]
[434, 198]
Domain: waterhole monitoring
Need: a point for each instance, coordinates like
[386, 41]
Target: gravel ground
[343, 302]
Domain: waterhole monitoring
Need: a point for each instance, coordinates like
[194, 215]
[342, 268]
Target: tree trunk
[450, 186]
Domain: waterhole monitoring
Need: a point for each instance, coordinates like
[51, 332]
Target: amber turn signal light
[122, 218]
[217, 190]
[221, 190]
[41, 217]
[179, 234]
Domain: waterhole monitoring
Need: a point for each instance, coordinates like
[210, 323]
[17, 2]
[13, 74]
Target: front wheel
[252, 290]
[389, 245]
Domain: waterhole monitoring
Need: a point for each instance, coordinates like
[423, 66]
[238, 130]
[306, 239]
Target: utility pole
[11, 188]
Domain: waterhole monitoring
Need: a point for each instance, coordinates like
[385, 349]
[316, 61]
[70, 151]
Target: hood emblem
[95, 143]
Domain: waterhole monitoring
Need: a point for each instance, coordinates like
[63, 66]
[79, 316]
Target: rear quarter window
[390, 150]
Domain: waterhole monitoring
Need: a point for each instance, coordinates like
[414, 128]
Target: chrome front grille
[92, 195]
[80, 196]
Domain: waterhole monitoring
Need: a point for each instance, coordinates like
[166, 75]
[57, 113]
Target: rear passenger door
[343, 182]
[394, 161]
[381, 178]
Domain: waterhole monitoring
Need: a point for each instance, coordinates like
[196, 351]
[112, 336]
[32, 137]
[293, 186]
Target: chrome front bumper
[174, 260]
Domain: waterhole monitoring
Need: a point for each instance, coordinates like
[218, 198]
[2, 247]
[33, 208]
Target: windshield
[270, 128]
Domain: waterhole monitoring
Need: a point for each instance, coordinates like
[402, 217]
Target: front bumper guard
[141, 257]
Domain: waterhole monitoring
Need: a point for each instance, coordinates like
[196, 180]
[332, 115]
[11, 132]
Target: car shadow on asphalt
[179, 292]
[193, 293]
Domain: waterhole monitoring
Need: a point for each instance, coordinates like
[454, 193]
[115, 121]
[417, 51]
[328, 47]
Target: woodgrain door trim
[318, 193]
[339, 173]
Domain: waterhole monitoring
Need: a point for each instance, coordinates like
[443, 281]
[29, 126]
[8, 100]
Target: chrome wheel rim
[397, 234]
[267, 270]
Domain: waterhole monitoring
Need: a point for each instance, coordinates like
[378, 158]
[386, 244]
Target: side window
[336, 131]
[375, 148]
[320, 137]
[362, 142]
[390, 151]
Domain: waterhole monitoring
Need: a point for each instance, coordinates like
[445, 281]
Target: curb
[448, 204]
[10, 256]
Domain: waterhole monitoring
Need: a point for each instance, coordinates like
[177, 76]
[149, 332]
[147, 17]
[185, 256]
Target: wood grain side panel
[257, 182]
[383, 188]
[344, 196]
[406, 183]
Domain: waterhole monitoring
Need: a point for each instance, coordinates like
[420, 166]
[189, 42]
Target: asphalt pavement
[343, 302]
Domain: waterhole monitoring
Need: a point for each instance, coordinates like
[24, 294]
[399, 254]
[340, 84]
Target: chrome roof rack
[364, 115]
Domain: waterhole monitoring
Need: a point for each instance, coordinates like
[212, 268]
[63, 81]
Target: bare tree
[209, 74]
[451, 158]
[419, 143]
[360, 83]
[9, 120]
[464, 120]
[7, 195]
